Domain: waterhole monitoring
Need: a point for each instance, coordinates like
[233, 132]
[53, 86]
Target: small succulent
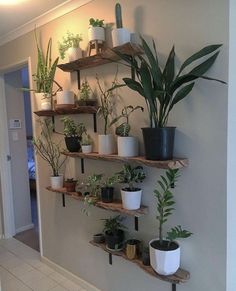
[96, 22]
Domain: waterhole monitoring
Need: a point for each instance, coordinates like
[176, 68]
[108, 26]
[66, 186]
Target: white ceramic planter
[74, 53]
[56, 182]
[45, 100]
[164, 262]
[105, 144]
[127, 146]
[120, 36]
[86, 149]
[65, 97]
[131, 200]
[96, 33]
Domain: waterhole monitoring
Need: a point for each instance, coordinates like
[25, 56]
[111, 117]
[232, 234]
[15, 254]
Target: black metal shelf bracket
[173, 287]
[95, 122]
[110, 258]
[63, 200]
[136, 223]
[78, 79]
[82, 166]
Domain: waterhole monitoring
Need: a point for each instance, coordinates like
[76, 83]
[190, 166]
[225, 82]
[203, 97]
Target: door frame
[5, 166]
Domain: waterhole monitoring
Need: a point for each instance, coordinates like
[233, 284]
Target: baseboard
[69, 275]
[24, 228]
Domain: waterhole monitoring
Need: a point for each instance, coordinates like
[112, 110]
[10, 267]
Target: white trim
[24, 228]
[69, 275]
[43, 19]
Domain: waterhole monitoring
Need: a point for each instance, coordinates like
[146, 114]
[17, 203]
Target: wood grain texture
[115, 206]
[63, 111]
[181, 276]
[99, 59]
[176, 163]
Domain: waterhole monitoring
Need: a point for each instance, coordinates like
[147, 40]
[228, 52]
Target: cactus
[118, 16]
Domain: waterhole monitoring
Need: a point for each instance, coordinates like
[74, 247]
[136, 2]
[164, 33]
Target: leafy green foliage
[124, 128]
[165, 205]
[85, 91]
[68, 41]
[163, 88]
[113, 224]
[47, 149]
[130, 175]
[86, 139]
[96, 22]
[71, 129]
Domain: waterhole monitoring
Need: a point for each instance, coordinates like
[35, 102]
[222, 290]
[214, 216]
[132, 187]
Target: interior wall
[201, 136]
[1, 214]
[18, 151]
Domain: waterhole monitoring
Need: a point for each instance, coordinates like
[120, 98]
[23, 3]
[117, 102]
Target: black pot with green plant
[162, 89]
[73, 134]
[107, 189]
[114, 232]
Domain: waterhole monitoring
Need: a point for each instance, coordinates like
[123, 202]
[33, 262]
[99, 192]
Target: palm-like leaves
[163, 88]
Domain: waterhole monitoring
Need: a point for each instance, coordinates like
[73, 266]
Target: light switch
[15, 136]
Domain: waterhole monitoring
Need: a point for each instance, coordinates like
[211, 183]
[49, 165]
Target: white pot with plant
[86, 144]
[127, 145]
[120, 35]
[165, 252]
[131, 195]
[70, 46]
[106, 145]
[65, 99]
[96, 30]
[50, 151]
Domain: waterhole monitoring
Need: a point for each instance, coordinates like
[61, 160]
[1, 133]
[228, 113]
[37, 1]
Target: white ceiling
[14, 16]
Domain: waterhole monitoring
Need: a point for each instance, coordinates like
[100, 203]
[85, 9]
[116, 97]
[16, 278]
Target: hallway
[22, 270]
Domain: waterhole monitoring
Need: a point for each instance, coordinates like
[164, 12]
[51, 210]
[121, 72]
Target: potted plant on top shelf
[73, 134]
[50, 151]
[127, 145]
[96, 30]
[70, 44]
[131, 195]
[114, 233]
[163, 89]
[165, 252]
[120, 35]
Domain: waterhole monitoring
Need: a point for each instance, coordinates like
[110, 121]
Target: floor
[22, 270]
[31, 237]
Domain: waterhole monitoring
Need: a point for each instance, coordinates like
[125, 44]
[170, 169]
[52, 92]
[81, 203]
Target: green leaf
[204, 67]
[169, 70]
[181, 94]
[134, 85]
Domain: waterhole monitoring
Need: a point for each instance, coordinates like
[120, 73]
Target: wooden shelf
[116, 206]
[176, 163]
[181, 276]
[78, 110]
[105, 57]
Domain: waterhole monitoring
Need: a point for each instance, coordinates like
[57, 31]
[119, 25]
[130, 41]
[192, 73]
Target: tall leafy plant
[163, 88]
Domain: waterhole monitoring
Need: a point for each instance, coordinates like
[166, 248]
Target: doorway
[21, 155]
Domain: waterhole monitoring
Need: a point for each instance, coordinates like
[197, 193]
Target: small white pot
[131, 200]
[120, 36]
[127, 146]
[74, 53]
[96, 33]
[45, 100]
[86, 149]
[164, 262]
[57, 182]
[65, 97]
[105, 144]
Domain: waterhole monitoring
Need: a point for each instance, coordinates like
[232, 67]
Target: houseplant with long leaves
[163, 88]
[165, 252]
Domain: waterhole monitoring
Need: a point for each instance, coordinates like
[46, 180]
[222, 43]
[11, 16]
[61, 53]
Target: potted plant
[165, 252]
[65, 100]
[73, 134]
[70, 44]
[127, 145]
[84, 95]
[120, 35]
[107, 189]
[132, 249]
[114, 233]
[86, 143]
[70, 184]
[131, 195]
[99, 238]
[96, 30]
[105, 140]
[163, 89]
[50, 151]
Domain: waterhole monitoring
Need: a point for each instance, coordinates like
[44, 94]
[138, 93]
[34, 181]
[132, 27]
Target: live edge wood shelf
[181, 276]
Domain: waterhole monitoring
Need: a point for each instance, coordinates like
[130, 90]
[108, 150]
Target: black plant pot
[146, 257]
[107, 194]
[159, 143]
[99, 238]
[73, 143]
[114, 241]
